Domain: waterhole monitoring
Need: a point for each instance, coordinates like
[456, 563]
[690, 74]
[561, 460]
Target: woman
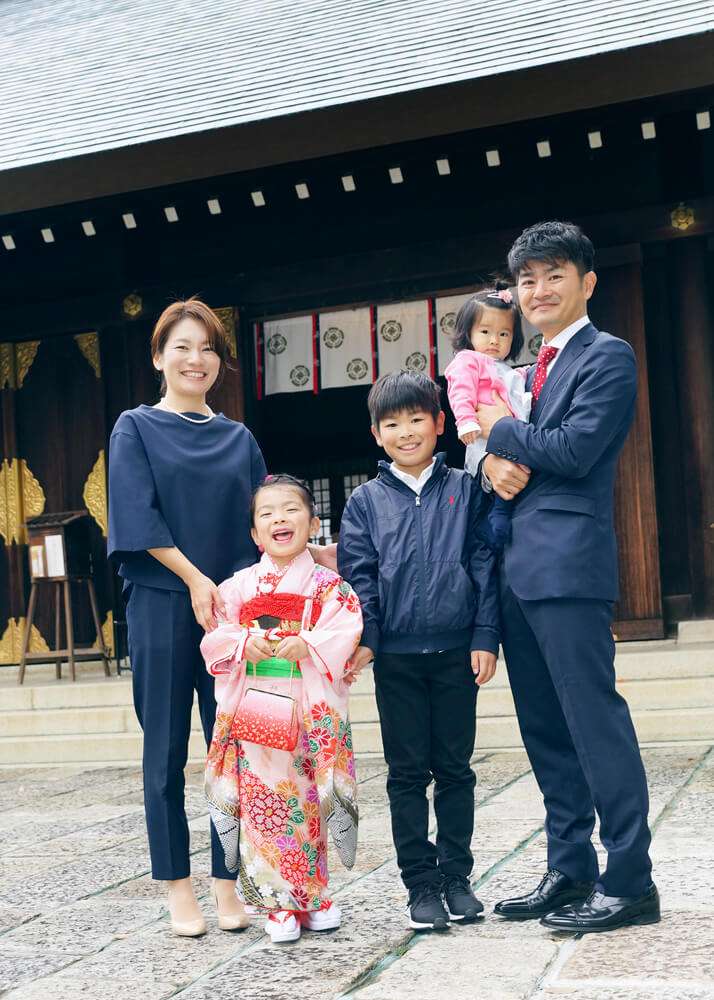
[181, 478]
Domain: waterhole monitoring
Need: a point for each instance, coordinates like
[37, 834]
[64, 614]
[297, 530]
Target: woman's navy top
[177, 483]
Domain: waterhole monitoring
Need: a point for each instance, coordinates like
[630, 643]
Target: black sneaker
[461, 904]
[426, 909]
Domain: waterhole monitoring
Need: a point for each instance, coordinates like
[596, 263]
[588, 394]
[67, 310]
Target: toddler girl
[488, 333]
[289, 626]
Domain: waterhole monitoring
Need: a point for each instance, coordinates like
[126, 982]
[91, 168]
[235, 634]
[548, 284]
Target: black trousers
[579, 737]
[427, 712]
[167, 667]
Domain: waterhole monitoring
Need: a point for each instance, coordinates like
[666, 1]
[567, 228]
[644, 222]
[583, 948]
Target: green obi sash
[274, 667]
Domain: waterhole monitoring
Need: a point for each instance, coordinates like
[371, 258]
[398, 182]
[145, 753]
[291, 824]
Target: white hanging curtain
[446, 307]
[346, 348]
[404, 337]
[289, 355]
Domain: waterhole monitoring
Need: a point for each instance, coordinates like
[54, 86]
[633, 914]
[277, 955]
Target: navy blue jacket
[563, 535]
[425, 578]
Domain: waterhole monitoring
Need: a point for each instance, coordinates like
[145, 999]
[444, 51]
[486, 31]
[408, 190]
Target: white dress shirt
[416, 483]
[562, 338]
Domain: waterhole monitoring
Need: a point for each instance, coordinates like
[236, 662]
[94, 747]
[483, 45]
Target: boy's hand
[257, 648]
[356, 664]
[292, 647]
[470, 437]
[483, 665]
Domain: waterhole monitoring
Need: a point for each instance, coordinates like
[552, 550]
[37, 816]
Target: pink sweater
[471, 379]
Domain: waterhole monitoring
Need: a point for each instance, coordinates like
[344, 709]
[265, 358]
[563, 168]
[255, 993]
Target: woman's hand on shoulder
[206, 601]
[325, 555]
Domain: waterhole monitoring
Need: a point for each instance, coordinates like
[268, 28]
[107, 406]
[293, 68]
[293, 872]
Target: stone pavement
[81, 918]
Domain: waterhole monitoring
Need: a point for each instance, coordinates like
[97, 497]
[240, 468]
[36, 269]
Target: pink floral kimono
[272, 808]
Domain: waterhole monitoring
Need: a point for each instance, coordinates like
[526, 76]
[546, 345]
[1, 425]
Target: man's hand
[488, 414]
[257, 649]
[325, 555]
[470, 437]
[356, 664]
[292, 647]
[507, 478]
[483, 665]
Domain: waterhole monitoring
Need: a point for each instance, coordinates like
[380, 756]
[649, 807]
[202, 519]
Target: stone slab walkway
[80, 918]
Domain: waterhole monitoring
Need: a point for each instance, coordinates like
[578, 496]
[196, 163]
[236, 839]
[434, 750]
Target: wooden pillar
[691, 266]
[617, 308]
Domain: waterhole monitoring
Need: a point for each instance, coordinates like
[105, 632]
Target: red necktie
[545, 356]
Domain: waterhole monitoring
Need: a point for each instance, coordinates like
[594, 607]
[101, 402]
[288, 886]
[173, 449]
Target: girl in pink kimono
[290, 626]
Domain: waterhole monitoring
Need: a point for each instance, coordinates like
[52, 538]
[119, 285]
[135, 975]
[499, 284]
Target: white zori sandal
[327, 918]
[282, 926]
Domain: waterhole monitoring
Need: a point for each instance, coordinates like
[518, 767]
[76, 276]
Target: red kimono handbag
[268, 718]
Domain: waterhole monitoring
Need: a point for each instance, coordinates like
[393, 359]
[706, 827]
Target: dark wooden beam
[681, 64]
[349, 280]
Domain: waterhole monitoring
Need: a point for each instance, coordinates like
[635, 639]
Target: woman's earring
[261, 549]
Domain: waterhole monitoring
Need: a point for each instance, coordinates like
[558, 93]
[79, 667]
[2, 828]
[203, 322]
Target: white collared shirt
[562, 338]
[413, 482]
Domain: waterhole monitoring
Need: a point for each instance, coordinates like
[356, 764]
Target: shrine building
[335, 179]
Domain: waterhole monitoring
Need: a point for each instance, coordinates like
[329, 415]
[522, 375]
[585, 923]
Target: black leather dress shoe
[555, 890]
[606, 913]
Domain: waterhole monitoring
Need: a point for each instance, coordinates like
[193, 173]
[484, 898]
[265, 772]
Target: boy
[410, 546]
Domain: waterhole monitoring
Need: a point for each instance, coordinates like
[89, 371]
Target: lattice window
[321, 491]
[351, 482]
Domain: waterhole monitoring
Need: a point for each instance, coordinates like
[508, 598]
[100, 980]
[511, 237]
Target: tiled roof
[80, 77]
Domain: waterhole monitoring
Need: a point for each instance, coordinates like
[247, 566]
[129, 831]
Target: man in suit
[558, 585]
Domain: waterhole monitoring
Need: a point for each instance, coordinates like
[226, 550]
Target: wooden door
[617, 308]
[53, 460]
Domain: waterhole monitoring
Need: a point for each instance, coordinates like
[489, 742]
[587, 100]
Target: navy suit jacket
[563, 537]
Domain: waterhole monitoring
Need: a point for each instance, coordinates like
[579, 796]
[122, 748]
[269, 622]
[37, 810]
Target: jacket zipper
[422, 568]
[401, 488]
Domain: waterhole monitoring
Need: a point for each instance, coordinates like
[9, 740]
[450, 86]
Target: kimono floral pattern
[285, 803]
[283, 842]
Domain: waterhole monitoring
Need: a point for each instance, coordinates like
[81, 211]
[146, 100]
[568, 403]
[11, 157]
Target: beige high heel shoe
[230, 921]
[187, 928]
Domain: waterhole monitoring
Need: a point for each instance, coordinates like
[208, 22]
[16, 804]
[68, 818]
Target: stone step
[49, 693]
[91, 748]
[68, 721]
[501, 732]
[642, 695]
[635, 661]
[698, 630]
[494, 732]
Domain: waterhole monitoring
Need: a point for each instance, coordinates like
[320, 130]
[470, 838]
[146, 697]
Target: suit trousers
[579, 737]
[427, 713]
[167, 667]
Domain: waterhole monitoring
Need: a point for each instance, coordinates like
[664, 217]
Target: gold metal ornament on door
[15, 362]
[94, 493]
[11, 641]
[21, 496]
